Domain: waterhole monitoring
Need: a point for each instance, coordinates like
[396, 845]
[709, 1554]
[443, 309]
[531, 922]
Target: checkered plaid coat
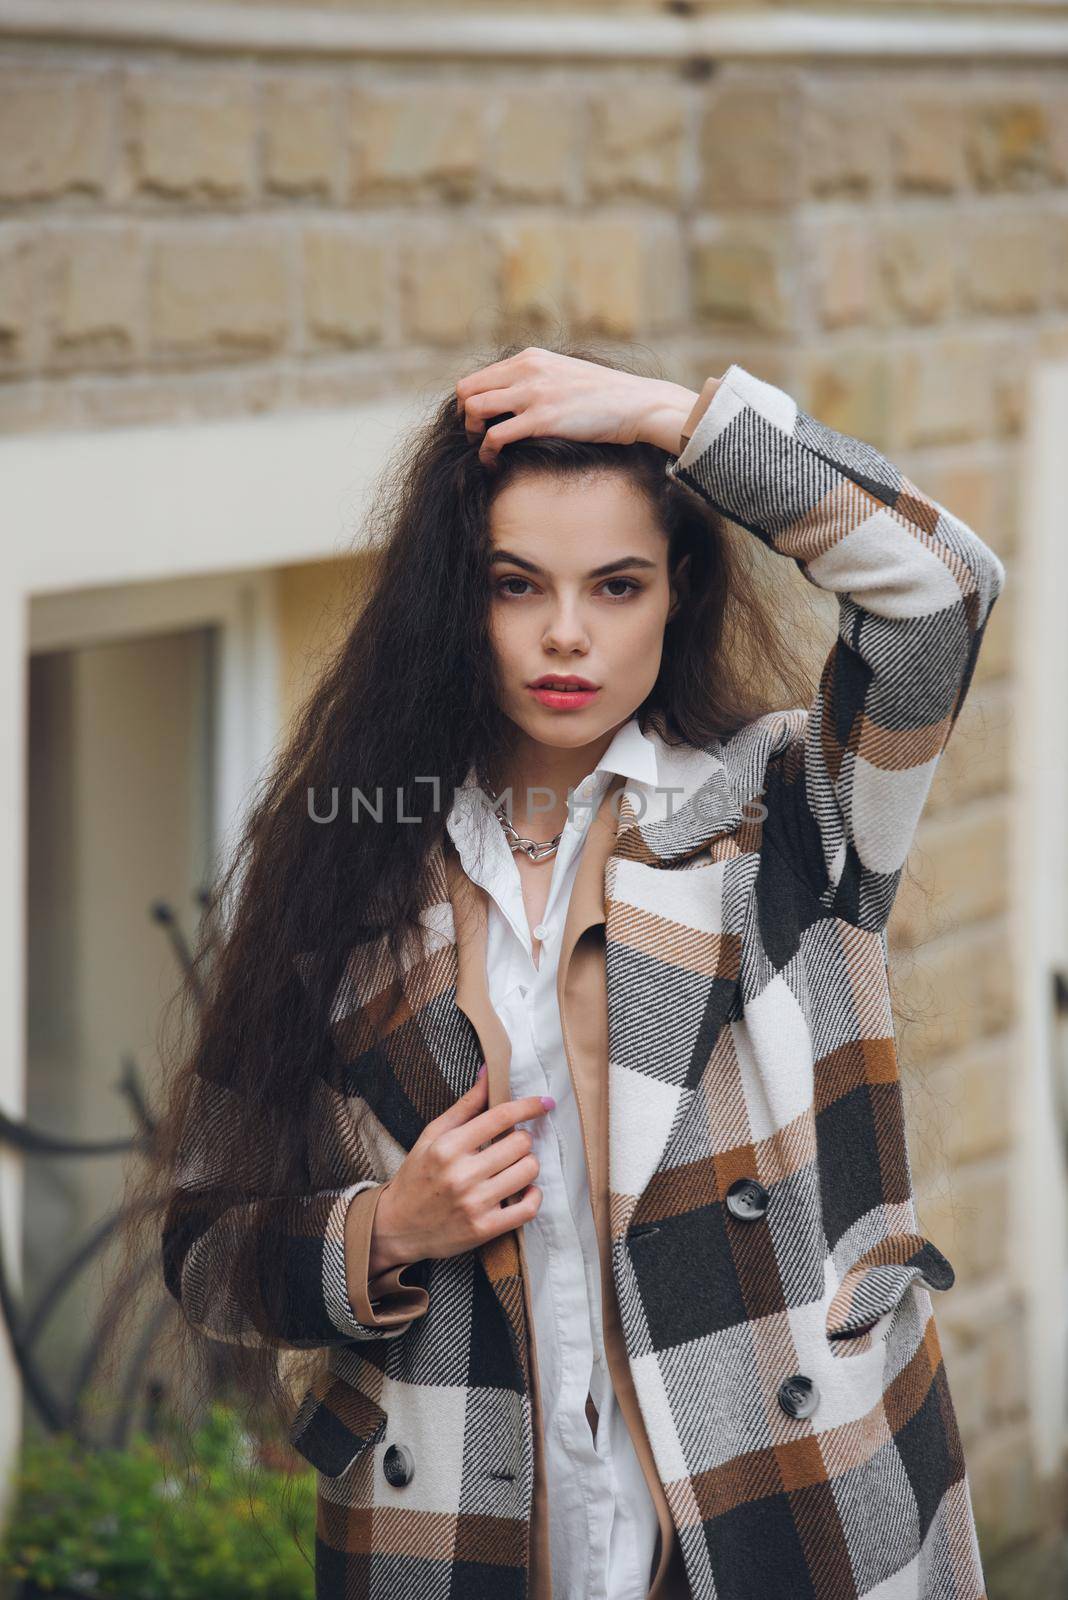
[750, 1035]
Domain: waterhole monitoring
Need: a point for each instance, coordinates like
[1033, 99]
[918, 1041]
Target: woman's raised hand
[568, 398]
[446, 1195]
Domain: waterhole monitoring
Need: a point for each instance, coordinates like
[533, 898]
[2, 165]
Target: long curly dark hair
[411, 689]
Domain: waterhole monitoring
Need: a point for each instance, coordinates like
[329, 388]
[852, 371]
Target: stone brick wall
[189, 235]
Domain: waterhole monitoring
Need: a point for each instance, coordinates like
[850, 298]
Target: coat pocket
[874, 1286]
[334, 1423]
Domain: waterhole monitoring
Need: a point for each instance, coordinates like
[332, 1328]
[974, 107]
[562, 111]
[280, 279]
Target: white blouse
[602, 1518]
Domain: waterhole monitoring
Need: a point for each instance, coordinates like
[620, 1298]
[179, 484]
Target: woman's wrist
[385, 1251]
[669, 406]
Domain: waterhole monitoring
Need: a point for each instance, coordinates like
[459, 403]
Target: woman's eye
[629, 585]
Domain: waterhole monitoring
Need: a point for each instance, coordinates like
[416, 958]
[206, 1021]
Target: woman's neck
[536, 768]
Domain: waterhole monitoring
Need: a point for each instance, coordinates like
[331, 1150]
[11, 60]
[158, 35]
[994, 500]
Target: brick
[219, 289]
[1010, 353]
[355, 383]
[749, 151]
[637, 142]
[16, 299]
[743, 277]
[175, 396]
[931, 988]
[1009, 146]
[418, 141]
[976, 759]
[917, 265]
[534, 266]
[667, 289]
[1004, 1374]
[843, 144]
[1056, 109]
[605, 277]
[941, 392]
[927, 143]
[955, 873]
[531, 153]
[448, 286]
[55, 133]
[1004, 1493]
[192, 133]
[951, 992]
[975, 1088]
[1003, 269]
[849, 388]
[967, 1217]
[344, 284]
[593, 275]
[993, 1008]
[1051, 342]
[842, 287]
[92, 288]
[968, 1311]
[623, 277]
[1056, 243]
[304, 136]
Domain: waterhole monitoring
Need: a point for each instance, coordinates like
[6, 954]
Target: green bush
[106, 1522]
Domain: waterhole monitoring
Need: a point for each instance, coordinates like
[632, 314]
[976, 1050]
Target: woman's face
[579, 586]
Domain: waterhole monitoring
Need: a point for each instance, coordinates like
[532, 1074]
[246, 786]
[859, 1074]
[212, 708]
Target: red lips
[568, 678]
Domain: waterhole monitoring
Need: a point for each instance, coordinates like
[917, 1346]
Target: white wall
[1040, 873]
[158, 527]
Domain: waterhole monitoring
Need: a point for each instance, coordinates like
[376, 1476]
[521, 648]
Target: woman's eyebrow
[596, 572]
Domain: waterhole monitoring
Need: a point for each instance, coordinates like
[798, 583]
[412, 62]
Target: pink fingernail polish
[547, 1101]
[481, 1071]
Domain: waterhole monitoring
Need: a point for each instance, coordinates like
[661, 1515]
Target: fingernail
[547, 1101]
[481, 1070]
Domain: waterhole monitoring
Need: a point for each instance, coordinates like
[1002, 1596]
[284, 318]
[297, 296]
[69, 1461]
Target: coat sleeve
[271, 1269]
[915, 587]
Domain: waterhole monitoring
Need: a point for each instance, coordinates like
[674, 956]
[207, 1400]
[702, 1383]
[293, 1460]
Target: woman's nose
[565, 631]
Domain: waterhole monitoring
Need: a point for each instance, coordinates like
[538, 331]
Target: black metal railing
[66, 1409]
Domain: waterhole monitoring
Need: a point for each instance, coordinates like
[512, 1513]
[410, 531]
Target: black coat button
[798, 1396]
[398, 1464]
[747, 1200]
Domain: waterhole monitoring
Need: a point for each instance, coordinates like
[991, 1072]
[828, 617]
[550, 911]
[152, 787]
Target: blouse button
[541, 931]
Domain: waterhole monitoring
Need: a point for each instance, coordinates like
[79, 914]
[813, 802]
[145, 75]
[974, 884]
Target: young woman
[642, 1307]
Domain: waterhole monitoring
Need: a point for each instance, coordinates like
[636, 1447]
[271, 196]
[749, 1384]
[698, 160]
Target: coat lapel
[582, 1007]
[501, 1257]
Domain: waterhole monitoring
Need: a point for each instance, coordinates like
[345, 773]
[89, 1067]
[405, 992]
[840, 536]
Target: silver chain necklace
[535, 849]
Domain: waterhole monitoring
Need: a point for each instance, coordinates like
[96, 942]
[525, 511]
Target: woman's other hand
[568, 398]
[446, 1195]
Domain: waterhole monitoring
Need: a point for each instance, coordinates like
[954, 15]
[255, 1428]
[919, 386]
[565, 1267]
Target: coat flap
[877, 1281]
[334, 1423]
